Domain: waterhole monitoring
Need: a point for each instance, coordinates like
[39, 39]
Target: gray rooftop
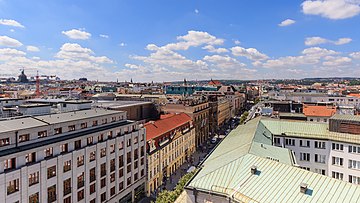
[346, 117]
[118, 104]
[19, 123]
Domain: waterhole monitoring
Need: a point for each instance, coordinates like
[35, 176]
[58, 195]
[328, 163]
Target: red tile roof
[320, 111]
[159, 127]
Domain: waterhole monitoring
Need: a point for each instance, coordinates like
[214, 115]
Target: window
[80, 195]
[128, 168]
[90, 140]
[92, 188]
[101, 138]
[103, 182]
[320, 145]
[320, 158]
[142, 161]
[128, 157]
[80, 160]
[136, 163]
[83, 125]
[51, 193]
[304, 143]
[320, 171]
[112, 165]
[354, 149]
[113, 119]
[121, 186]
[128, 181]
[34, 198]
[290, 142]
[112, 177]
[51, 172]
[95, 123]
[33, 178]
[354, 179]
[92, 175]
[337, 175]
[136, 154]
[136, 140]
[24, 138]
[92, 156]
[80, 180]
[354, 164]
[63, 148]
[103, 169]
[42, 134]
[10, 164]
[104, 121]
[77, 144]
[103, 197]
[67, 199]
[336, 146]
[121, 173]
[109, 134]
[121, 161]
[67, 166]
[13, 186]
[142, 172]
[304, 157]
[102, 152]
[112, 148]
[48, 152]
[142, 137]
[67, 186]
[305, 168]
[30, 158]
[142, 151]
[71, 128]
[277, 141]
[121, 145]
[112, 191]
[128, 143]
[337, 161]
[57, 131]
[93, 200]
[136, 177]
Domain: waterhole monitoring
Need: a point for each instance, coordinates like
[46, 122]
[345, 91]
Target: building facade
[83, 156]
[199, 111]
[170, 143]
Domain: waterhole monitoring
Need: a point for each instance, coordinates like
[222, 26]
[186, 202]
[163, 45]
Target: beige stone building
[170, 143]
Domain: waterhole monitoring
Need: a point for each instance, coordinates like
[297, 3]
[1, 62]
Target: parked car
[213, 140]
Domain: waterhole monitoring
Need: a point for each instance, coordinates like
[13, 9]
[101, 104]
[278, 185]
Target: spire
[131, 80]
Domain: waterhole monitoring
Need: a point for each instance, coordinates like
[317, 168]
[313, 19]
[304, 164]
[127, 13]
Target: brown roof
[320, 111]
[159, 127]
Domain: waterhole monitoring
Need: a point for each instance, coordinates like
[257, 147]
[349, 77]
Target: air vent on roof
[303, 187]
[253, 170]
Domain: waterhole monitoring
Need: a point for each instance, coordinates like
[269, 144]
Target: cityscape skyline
[169, 41]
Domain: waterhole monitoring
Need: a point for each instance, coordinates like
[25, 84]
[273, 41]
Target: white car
[213, 140]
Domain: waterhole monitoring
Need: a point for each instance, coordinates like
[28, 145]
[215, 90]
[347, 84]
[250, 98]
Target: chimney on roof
[253, 170]
[303, 187]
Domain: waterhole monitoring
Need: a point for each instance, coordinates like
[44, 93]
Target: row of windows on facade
[337, 175]
[319, 145]
[33, 179]
[173, 146]
[10, 164]
[352, 164]
[44, 133]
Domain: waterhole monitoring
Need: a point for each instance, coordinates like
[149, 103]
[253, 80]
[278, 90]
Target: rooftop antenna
[37, 84]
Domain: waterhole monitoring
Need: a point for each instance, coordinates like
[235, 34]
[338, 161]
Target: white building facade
[84, 156]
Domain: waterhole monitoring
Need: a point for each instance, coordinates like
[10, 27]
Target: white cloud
[212, 49]
[223, 61]
[341, 41]
[333, 9]
[336, 61]
[355, 55]
[32, 48]
[194, 39]
[75, 52]
[77, 34]
[9, 42]
[237, 42]
[250, 53]
[104, 36]
[286, 22]
[9, 22]
[122, 44]
[12, 30]
[196, 11]
[311, 41]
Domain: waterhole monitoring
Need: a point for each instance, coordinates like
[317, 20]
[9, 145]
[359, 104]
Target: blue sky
[170, 40]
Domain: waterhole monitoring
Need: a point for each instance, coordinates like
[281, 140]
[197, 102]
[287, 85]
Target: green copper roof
[306, 129]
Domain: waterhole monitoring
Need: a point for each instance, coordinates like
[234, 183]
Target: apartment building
[199, 111]
[316, 113]
[82, 156]
[329, 149]
[170, 142]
